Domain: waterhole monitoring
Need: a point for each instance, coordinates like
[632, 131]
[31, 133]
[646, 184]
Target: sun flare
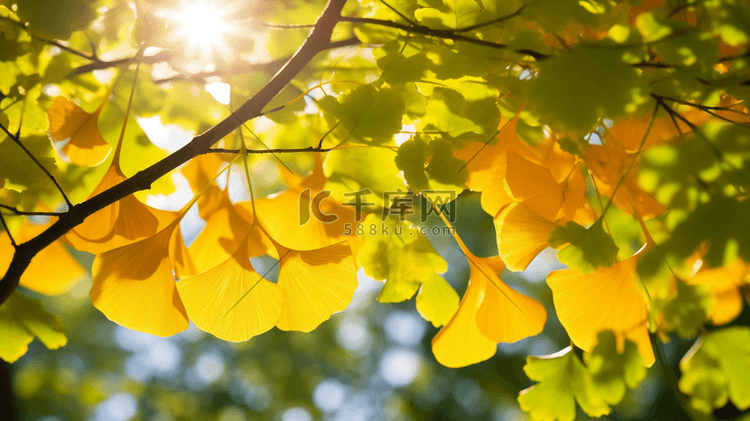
[204, 26]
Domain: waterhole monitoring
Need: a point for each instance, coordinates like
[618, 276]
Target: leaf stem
[116, 158]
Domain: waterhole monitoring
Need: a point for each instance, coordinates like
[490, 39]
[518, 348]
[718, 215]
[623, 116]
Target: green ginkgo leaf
[21, 320]
[588, 249]
[563, 381]
[437, 301]
[614, 371]
[712, 370]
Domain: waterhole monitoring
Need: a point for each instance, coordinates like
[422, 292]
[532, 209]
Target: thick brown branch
[317, 41]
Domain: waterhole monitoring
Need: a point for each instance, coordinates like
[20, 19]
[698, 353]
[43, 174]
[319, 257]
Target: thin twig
[59, 45]
[401, 15]
[159, 57]
[285, 26]
[39, 164]
[493, 21]
[708, 110]
[268, 151]
[441, 34]
[24, 213]
[10, 236]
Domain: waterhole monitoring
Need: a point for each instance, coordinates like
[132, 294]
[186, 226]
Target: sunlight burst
[204, 25]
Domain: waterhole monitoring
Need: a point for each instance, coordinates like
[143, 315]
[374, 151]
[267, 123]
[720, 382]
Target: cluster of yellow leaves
[533, 191]
[140, 251]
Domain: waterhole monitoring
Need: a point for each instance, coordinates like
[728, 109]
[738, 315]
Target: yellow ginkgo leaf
[574, 194]
[316, 283]
[323, 222]
[521, 235]
[134, 286]
[608, 299]
[118, 224]
[608, 164]
[724, 285]
[182, 263]
[505, 315]
[534, 186]
[224, 232]
[486, 165]
[199, 172]
[67, 120]
[232, 301]
[460, 342]
[38, 276]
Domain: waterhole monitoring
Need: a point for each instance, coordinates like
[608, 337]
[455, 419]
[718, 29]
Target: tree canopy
[241, 167]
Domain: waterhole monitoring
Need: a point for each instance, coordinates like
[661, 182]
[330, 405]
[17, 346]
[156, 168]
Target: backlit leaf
[21, 320]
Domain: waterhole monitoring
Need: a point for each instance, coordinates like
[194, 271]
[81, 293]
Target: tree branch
[444, 34]
[39, 164]
[317, 41]
[98, 65]
[10, 236]
[23, 213]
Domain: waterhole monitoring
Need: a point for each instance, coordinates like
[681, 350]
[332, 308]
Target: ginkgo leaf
[490, 312]
[588, 249]
[521, 235]
[724, 286]
[118, 224]
[608, 164]
[232, 301]
[134, 286]
[563, 381]
[460, 342]
[533, 186]
[608, 299]
[685, 311]
[614, 368]
[505, 315]
[85, 145]
[437, 301]
[182, 263]
[369, 114]
[225, 230]
[38, 277]
[710, 370]
[410, 159]
[316, 283]
[199, 172]
[304, 217]
[486, 164]
[21, 320]
[399, 255]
